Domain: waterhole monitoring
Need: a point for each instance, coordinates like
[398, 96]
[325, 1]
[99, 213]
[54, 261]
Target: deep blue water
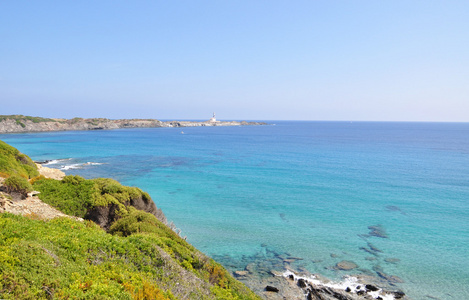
[311, 189]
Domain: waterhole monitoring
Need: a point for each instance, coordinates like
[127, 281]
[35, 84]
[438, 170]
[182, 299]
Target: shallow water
[392, 197]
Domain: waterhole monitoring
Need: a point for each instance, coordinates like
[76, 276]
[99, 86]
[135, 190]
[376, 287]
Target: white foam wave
[348, 282]
[72, 166]
[56, 161]
[68, 164]
[94, 163]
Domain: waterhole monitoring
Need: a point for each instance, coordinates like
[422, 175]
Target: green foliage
[140, 225]
[72, 195]
[76, 120]
[20, 118]
[16, 183]
[14, 162]
[136, 221]
[67, 259]
[75, 195]
[20, 123]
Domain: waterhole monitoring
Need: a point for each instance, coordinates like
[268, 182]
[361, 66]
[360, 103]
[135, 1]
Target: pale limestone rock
[50, 173]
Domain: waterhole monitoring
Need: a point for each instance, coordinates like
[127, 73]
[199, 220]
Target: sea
[391, 197]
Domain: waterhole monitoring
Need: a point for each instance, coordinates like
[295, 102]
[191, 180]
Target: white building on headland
[213, 119]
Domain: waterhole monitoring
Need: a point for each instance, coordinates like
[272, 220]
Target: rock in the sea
[395, 208]
[377, 231]
[398, 295]
[241, 273]
[390, 278]
[301, 283]
[370, 287]
[392, 260]
[270, 288]
[373, 248]
[345, 265]
[368, 251]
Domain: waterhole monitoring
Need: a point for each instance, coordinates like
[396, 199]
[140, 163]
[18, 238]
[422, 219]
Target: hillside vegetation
[20, 119]
[13, 162]
[135, 256]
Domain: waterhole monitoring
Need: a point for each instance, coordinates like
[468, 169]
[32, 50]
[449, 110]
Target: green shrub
[14, 162]
[75, 195]
[136, 221]
[72, 195]
[76, 120]
[16, 183]
[20, 123]
[73, 179]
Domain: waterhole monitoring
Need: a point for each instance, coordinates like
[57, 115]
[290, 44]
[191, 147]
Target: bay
[314, 190]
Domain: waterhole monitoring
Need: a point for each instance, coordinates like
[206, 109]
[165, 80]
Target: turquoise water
[311, 189]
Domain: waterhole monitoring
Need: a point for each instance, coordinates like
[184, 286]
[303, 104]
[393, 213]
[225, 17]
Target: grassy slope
[71, 259]
[12, 162]
[75, 195]
[141, 258]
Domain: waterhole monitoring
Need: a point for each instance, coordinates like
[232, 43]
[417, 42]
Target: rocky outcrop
[50, 173]
[104, 216]
[17, 124]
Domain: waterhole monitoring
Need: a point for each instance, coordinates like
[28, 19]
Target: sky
[245, 60]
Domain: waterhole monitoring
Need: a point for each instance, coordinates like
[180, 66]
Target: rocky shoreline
[278, 276]
[295, 285]
[19, 124]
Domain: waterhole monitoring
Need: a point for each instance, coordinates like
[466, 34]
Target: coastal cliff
[74, 238]
[69, 237]
[20, 123]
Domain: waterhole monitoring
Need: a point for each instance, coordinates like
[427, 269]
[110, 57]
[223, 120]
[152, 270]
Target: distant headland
[20, 123]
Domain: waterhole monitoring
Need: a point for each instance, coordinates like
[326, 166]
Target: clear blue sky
[256, 60]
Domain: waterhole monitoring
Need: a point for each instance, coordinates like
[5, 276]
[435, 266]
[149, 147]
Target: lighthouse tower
[213, 119]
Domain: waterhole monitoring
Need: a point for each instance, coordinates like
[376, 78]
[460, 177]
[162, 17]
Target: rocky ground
[32, 206]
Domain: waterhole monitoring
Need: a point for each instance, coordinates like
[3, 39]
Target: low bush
[18, 184]
[14, 162]
[20, 123]
[73, 195]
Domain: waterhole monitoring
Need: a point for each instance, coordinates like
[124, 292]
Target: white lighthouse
[213, 119]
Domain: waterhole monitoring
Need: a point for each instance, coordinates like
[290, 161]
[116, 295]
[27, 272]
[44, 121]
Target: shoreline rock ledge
[20, 123]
